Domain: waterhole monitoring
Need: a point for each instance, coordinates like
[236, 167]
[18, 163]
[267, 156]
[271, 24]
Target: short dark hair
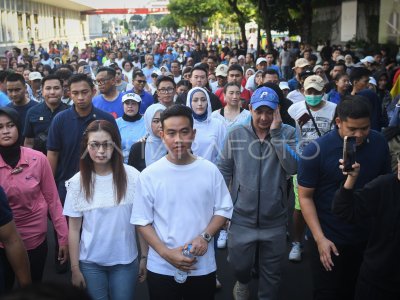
[198, 68]
[359, 72]
[165, 78]
[137, 74]
[81, 77]
[52, 77]
[229, 84]
[177, 110]
[13, 77]
[110, 71]
[235, 67]
[64, 75]
[270, 71]
[3, 75]
[354, 107]
[126, 62]
[21, 66]
[183, 82]
[66, 66]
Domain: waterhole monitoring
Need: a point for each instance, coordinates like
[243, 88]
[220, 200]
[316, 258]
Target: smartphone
[303, 119]
[87, 70]
[349, 153]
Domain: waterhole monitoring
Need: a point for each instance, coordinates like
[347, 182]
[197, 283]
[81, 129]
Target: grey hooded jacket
[257, 174]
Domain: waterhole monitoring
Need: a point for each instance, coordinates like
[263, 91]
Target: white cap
[260, 60]
[131, 96]
[372, 81]
[368, 59]
[283, 85]
[35, 76]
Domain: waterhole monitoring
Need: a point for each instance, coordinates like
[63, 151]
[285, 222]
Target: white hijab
[154, 148]
[189, 99]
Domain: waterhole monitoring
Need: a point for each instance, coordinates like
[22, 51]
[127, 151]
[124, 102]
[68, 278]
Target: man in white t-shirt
[181, 199]
[309, 129]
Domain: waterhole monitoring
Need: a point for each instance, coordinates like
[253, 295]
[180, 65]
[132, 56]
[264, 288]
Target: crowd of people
[140, 149]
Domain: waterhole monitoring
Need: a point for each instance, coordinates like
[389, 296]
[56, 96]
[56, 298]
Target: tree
[168, 22]
[135, 19]
[244, 11]
[193, 13]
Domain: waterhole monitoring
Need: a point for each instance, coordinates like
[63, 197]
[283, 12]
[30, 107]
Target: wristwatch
[206, 236]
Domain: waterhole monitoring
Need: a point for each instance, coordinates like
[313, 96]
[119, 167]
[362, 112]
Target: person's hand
[325, 247]
[63, 254]
[179, 261]
[142, 270]
[77, 278]
[199, 246]
[354, 173]
[277, 121]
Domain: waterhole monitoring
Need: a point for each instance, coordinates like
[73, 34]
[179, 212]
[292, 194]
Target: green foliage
[168, 22]
[193, 13]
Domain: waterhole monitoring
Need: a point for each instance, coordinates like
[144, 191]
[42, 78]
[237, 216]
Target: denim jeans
[116, 282]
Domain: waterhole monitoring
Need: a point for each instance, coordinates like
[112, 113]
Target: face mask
[313, 100]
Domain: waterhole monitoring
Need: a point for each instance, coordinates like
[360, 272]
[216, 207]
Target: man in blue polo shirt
[16, 90]
[139, 81]
[337, 247]
[109, 99]
[66, 130]
[39, 117]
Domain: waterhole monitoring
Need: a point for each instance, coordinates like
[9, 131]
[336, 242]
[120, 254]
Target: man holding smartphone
[337, 247]
[313, 118]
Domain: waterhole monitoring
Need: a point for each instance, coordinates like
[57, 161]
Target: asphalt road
[296, 282]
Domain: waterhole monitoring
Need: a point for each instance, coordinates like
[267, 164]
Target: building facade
[45, 20]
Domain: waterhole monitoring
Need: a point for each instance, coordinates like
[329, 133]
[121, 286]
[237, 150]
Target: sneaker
[295, 253]
[241, 291]
[218, 284]
[221, 242]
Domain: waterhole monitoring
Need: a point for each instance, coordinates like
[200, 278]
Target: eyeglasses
[141, 81]
[97, 145]
[101, 81]
[166, 91]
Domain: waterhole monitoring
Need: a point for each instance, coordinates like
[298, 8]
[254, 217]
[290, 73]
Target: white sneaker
[241, 291]
[295, 253]
[221, 242]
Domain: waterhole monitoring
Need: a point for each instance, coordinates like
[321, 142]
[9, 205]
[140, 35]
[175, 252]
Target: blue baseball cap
[264, 96]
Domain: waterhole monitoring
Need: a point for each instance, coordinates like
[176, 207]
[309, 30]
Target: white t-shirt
[323, 118]
[107, 236]
[180, 200]
[240, 118]
[209, 139]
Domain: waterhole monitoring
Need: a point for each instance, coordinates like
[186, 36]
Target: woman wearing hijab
[46, 60]
[150, 149]
[131, 124]
[210, 132]
[27, 179]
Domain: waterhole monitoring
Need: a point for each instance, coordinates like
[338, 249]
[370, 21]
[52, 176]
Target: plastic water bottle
[181, 276]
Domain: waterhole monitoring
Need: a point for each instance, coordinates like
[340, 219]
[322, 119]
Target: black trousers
[367, 291]
[162, 287]
[341, 281]
[37, 260]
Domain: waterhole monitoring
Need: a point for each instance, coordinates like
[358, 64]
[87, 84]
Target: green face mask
[313, 100]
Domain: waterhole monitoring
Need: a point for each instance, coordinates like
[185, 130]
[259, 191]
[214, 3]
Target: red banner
[126, 11]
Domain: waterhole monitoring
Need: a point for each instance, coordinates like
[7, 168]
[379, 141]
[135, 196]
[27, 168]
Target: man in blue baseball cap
[256, 159]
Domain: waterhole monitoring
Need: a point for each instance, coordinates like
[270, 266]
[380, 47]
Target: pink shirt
[32, 193]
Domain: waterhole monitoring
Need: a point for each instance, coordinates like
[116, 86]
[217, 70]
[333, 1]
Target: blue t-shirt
[114, 107]
[23, 110]
[65, 136]
[147, 100]
[131, 132]
[293, 84]
[4, 100]
[147, 72]
[319, 169]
